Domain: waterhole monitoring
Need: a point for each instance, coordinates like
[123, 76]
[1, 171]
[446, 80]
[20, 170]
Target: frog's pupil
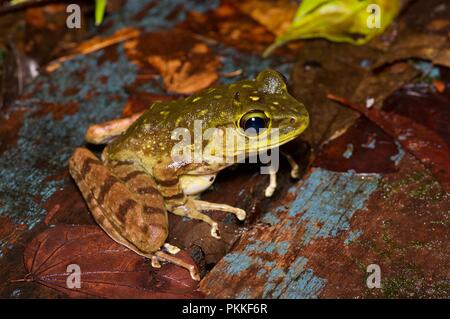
[256, 123]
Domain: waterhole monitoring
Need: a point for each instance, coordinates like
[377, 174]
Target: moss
[417, 244]
[413, 287]
[400, 287]
[423, 187]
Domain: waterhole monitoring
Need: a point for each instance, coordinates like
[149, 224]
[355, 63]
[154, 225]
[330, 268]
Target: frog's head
[262, 105]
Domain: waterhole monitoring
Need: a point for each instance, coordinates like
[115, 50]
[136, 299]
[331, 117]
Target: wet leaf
[379, 84]
[316, 73]
[140, 101]
[364, 148]
[108, 270]
[426, 145]
[425, 46]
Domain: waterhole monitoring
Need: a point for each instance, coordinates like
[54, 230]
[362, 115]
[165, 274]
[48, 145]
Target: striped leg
[119, 211]
[124, 202]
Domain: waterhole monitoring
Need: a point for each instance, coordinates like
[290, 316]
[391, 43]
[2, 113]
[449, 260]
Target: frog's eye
[253, 122]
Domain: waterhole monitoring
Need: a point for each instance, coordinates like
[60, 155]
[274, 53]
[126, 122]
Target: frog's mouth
[229, 149]
[268, 140]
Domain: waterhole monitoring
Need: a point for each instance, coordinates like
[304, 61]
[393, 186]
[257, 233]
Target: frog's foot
[203, 205]
[171, 249]
[272, 185]
[295, 169]
[179, 262]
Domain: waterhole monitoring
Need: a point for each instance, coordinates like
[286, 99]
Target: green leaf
[352, 21]
[100, 6]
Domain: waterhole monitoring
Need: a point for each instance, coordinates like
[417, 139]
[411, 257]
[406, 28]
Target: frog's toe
[269, 191]
[194, 274]
[155, 262]
[295, 172]
[240, 214]
[173, 250]
[215, 230]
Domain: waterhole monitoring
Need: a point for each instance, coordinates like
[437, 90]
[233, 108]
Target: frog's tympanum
[138, 179]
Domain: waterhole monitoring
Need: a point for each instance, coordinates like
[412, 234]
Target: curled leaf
[352, 21]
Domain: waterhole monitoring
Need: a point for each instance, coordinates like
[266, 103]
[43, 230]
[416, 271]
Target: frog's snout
[290, 121]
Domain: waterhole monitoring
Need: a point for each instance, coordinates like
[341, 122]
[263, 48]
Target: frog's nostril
[293, 120]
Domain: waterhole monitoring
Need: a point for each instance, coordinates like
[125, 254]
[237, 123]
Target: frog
[137, 180]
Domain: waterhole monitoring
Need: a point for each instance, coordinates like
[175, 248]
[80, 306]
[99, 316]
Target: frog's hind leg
[124, 203]
[177, 261]
[140, 226]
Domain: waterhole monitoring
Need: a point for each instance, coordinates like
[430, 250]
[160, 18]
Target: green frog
[138, 179]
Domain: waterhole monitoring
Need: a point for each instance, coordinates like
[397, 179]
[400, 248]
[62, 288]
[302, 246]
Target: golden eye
[253, 122]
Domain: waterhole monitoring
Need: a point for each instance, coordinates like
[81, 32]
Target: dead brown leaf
[108, 270]
[276, 16]
[379, 85]
[425, 144]
[94, 44]
[425, 46]
[230, 26]
[316, 73]
[185, 63]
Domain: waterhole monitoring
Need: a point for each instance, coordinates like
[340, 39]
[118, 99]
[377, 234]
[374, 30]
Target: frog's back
[160, 128]
[151, 134]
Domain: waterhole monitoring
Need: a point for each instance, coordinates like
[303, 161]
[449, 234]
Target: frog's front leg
[204, 205]
[295, 169]
[178, 203]
[270, 189]
[190, 209]
[295, 173]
